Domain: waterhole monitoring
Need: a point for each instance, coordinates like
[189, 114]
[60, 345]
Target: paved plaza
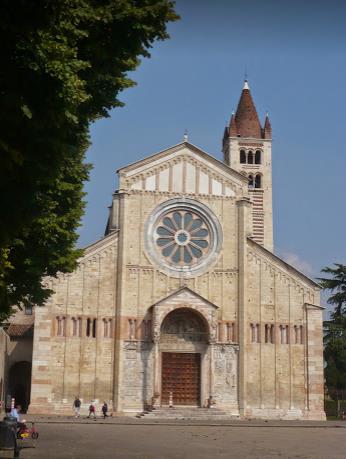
[96, 440]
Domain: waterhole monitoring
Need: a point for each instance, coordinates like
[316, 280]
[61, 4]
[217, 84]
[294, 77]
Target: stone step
[187, 413]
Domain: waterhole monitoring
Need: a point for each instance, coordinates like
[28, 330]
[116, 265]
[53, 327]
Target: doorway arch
[183, 344]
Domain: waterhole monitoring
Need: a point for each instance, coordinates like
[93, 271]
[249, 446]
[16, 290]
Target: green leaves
[63, 66]
[337, 285]
[335, 331]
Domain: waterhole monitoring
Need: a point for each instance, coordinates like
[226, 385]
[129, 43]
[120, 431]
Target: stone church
[183, 300]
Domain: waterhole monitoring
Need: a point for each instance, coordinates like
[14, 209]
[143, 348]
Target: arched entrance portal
[20, 383]
[183, 344]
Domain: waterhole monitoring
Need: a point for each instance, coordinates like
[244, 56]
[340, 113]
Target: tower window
[251, 181]
[242, 157]
[258, 157]
[258, 181]
[250, 157]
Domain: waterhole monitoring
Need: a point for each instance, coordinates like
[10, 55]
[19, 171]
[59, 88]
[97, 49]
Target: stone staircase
[187, 414]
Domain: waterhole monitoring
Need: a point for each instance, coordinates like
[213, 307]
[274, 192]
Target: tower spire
[267, 130]
[246, 118]
[246, 148]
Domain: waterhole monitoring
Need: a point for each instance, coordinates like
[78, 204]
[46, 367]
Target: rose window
[183, 237]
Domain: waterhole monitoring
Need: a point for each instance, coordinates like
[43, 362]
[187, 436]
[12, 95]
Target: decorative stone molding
[185, 298]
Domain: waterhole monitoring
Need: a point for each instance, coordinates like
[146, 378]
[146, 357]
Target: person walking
[76, 406]
[105, 410]
[92, 411]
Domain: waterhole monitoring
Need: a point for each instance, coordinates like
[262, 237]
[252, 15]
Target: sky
[293, 53]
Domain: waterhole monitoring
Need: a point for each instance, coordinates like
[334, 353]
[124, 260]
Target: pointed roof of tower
[232, 126]
[246, 118]
[267, 130]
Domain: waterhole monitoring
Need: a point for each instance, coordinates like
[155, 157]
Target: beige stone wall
[278, 375]
[67, 366]
[144, 284]
[118, 280]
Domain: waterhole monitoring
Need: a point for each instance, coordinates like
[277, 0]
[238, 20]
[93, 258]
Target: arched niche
[183, 326]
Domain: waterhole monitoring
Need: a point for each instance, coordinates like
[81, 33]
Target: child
[92, 410]
[104, 410]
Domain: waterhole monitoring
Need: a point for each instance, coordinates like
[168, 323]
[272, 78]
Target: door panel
[181, 375]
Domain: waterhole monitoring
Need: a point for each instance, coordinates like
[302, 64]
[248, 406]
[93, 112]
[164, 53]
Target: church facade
[184, 301]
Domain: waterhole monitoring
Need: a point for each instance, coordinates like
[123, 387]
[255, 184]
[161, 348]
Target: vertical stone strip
[314, 355]
[261, 406]
[41, 384]
[290, 344]
[120, 276]
[244, 209]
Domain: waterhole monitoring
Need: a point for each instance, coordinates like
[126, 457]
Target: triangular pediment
[183, 168]
[185, 297]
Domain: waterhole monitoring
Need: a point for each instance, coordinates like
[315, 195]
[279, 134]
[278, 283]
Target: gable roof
[283, 263]
[186, 289]
[204, 155]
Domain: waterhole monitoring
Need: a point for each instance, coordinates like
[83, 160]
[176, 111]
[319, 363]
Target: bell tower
[247, 148]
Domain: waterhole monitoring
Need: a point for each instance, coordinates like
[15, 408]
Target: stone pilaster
[41, 383]
[314, 363]
[244, 212]
[119, 298]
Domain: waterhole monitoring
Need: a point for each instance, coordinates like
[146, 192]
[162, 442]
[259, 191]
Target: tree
[335, 331]
[63, 66]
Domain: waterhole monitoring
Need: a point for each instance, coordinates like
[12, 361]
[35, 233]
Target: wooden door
[181, 375]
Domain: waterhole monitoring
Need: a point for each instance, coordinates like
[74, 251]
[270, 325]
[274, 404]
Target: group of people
[92, 409]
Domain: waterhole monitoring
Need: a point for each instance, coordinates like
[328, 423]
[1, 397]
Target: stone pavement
[83, 439]
[132, 420]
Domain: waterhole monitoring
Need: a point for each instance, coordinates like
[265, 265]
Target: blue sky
[294, 55]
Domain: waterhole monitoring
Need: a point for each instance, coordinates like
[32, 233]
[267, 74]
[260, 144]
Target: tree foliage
[63, 66]
[335, 331]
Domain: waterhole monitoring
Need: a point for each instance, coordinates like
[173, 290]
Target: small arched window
[258, 157]
[251, 181]
[61, 326]
[284, 332]
[258, 181]
[74, 326]
[269, 333]
[105, 328]
[88, 327]
[250, 157]
[242, 157]
[255, 333]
